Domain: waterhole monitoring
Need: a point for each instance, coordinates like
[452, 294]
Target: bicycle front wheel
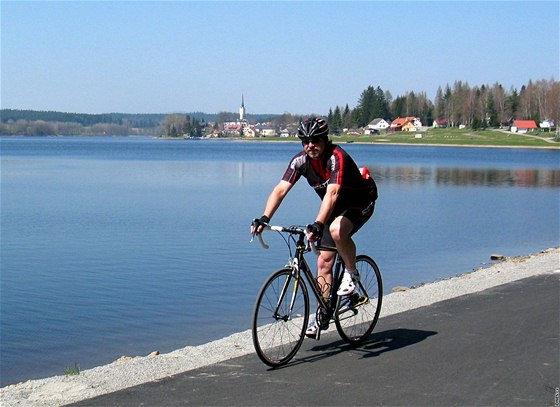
[280, 318]
[358, 313]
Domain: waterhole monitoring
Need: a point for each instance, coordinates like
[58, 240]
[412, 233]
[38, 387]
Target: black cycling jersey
[357, 195]
[335, 167]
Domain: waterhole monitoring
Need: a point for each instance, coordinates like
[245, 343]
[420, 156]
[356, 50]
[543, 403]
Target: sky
[299, 57]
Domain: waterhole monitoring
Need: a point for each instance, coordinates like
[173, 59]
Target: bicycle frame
[299, 266]
[303, 267]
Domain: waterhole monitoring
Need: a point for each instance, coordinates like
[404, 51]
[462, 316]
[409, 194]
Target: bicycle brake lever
[261, 240]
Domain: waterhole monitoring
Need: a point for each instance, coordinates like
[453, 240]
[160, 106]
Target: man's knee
[334, 230]
[340, 229]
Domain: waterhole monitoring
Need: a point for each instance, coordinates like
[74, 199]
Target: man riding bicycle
[348, 201]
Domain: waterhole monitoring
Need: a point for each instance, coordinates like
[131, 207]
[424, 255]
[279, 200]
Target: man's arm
[276, 197]
[328, 203]
[315, 231]
[272, 203]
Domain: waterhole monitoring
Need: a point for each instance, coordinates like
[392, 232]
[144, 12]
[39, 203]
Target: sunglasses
[314, 140]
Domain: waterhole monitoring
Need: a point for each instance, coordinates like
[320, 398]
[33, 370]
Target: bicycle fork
[283, 294]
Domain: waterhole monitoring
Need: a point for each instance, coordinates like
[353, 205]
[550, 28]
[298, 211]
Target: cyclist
[348, 201]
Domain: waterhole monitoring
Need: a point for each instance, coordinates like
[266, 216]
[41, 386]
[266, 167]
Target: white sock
[351, 272]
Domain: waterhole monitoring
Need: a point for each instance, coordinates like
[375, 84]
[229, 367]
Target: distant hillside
[134, 119]
[45, 123]
[141, 120]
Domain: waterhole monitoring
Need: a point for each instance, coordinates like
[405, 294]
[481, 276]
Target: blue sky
[283, 56]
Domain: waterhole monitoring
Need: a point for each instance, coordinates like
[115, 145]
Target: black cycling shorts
[358, 217]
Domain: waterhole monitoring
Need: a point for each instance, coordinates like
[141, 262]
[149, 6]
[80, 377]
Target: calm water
[120, 246]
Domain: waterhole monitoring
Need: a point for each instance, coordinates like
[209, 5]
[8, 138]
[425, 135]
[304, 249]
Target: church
[237, 128]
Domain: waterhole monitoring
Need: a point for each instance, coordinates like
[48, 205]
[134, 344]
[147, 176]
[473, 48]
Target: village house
[284, 133]
[440, 123]
[408, 126]
[405, 124]
[232, 129]
[249, 132]
[415, 121]
[264, 130]
[546, 124]
[397, 124]
[523, 126]
[376, 126]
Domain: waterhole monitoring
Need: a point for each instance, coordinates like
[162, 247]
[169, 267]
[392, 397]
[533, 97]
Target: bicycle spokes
[280, 317]
[285, 309]
[357, 313]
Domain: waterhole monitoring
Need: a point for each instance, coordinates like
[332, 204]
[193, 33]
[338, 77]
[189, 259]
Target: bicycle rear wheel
[358, 313]
[280, 318]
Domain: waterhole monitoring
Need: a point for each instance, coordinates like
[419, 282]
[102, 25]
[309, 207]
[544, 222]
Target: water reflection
[527, 177]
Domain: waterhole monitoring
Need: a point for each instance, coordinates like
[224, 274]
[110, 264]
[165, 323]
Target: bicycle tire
[357, 314]
[277, 338]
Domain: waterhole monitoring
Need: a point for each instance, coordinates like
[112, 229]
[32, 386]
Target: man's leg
[325, 263]
[341, 229]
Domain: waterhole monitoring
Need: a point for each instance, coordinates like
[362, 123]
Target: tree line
[47, 123]
[458, 104]
[476, 107]
[43, 123]
[178, 125]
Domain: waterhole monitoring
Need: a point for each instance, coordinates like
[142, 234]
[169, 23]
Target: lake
[116, 246]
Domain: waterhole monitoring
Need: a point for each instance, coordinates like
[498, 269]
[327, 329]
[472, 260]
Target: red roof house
[523, 126]
[398, 123]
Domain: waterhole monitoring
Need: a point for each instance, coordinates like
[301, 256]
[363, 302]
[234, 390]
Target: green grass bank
[453, 137]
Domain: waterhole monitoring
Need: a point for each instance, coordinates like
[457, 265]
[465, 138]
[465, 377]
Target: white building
[376, 126]
[546, 124]
[238, 127]
[242, 110]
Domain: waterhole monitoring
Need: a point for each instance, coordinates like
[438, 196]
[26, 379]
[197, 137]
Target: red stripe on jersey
[341, 165]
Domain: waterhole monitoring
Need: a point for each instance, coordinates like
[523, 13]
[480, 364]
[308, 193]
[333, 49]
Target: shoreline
[127, 372]
[393, 143]
[340, 142]
[458, 145]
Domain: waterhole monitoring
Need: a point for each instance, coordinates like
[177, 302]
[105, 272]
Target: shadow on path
[378, 343]
[394, 339]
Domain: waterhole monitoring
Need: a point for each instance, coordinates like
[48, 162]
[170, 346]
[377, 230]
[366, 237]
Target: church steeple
[242, 109]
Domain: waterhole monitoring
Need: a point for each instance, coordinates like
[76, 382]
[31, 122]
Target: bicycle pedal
[315, 335]
[363, 300]
[323, 318]
[354, 298]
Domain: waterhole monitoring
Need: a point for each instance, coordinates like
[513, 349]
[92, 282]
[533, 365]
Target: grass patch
[73, 370]
[468, 137]
[462, 137]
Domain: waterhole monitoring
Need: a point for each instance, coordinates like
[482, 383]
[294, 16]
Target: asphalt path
[498, 347]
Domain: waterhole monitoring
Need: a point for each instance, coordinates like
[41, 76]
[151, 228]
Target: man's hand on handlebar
[315, 231]
[258, 224]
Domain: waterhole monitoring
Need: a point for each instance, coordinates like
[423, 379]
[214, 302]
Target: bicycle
[281, 312]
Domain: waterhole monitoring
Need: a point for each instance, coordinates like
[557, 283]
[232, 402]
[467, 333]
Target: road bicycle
[282, 308]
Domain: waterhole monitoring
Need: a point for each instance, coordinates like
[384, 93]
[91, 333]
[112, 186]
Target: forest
[485, 106]
[475, 107]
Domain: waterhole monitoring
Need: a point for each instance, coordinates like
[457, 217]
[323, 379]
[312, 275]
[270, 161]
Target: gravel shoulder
[128, 372]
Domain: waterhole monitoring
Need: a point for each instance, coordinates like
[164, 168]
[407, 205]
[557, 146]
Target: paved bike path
[496, 347]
